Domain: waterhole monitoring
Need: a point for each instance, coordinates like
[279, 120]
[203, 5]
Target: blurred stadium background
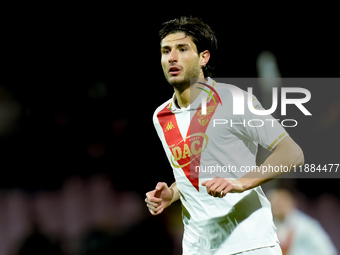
[78, 150]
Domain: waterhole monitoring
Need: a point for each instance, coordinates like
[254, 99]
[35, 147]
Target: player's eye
[182, 49]
[165, 51]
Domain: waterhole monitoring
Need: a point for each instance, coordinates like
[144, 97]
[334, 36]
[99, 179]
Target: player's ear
[204, 57]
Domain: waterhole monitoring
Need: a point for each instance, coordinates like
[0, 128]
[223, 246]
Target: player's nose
[173, 57]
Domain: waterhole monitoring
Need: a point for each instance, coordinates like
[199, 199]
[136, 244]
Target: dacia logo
[189, 149]
[169, 126]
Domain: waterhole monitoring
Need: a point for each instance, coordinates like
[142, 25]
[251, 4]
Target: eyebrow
[176, 46]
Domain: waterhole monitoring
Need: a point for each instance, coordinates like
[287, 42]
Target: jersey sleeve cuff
[277, 140]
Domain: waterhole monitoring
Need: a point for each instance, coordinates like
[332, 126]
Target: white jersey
[194, 142]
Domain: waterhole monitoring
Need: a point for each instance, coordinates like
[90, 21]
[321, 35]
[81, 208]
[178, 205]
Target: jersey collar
[193, 106]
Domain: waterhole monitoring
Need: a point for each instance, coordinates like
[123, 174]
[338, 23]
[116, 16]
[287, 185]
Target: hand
[219, 187]
[159, 199]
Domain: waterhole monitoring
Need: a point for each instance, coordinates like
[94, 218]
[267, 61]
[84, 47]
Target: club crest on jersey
[187, 150]
[203, 118]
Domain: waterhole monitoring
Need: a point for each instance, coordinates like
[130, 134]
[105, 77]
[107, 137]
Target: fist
[219, 187]
[159, 198]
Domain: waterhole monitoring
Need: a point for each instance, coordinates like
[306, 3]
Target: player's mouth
[174, 70]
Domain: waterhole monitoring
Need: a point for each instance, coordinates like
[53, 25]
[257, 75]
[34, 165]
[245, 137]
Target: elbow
[290, 151]
[296, 153]
[299, 157]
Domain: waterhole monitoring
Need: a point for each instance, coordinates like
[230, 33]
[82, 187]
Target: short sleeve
[263, 129]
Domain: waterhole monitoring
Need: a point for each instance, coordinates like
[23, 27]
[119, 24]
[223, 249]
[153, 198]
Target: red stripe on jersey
[186, 151]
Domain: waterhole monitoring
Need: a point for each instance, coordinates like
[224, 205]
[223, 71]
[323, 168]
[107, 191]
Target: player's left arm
[285, 154]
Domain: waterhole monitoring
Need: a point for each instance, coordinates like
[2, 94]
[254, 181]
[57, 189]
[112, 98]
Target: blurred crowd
[85, 216]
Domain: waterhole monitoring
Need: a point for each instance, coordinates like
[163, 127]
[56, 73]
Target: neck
[184, 97]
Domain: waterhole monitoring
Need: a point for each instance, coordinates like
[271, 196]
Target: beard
[192, 72]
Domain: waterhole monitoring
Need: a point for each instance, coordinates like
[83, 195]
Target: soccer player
[298, 233]
[220, 215]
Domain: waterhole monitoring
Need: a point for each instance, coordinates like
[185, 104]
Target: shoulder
[232, 94]
[303, 218]
[229, 90]
[160, 108]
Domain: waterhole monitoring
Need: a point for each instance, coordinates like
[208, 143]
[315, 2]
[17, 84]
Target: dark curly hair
[201, 34]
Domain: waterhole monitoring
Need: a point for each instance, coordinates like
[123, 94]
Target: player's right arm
[161, 197]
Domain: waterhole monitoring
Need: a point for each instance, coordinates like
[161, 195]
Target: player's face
[180, 60]
[281, 204]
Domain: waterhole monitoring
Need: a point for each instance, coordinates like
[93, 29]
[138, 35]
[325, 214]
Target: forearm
[287, 154]
[175, 192]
